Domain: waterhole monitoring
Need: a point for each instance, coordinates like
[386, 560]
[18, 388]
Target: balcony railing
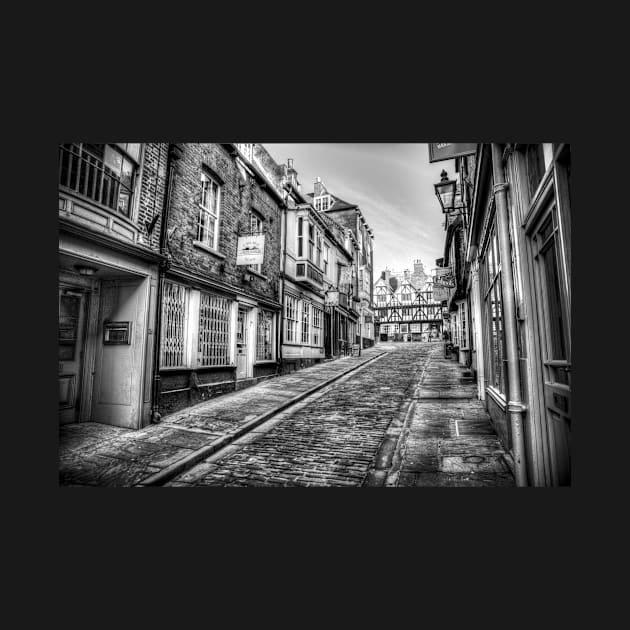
[86, 175]
[305, 271]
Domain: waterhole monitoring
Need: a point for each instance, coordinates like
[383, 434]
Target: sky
[393, 186]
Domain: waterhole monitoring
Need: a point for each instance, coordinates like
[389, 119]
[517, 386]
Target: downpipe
[515, 405]
[156, 416]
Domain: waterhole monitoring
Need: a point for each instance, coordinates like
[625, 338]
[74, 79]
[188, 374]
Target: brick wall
[152, 189]
[238, 196]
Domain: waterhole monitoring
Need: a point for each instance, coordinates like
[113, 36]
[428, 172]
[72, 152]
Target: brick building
[219, 319]
[111, 198]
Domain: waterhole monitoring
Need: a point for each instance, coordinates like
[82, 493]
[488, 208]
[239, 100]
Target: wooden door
[71, 336]
[554, 329]
[242, 344]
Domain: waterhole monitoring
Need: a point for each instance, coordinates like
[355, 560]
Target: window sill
[209, 250]
[198, 367]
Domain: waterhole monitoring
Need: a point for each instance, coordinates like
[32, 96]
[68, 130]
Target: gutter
[174, 153]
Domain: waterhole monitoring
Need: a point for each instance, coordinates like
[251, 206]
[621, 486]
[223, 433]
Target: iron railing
[86, 175]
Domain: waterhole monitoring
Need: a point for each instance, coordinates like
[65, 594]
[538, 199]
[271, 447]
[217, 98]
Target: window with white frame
[326, 258]
[317, 326]
[416, 328]
[193, 319]
[209, 204]
[311, 241]
[318, 261]
[256, 226]
[213, 339]
[174, 312]
[462, 319]
[306, 322]
[290, 316]
[105, 173]
[264, 336]
[300, 237]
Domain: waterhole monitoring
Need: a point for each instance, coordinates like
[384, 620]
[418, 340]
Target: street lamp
[445, 192]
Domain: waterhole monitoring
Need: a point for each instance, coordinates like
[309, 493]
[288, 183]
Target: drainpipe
[281, 283]
[515, 405]
[157, 385]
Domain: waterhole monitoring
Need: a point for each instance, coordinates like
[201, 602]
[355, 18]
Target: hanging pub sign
[250, 249]
[345, 277]
[440, 292]
[439, 151]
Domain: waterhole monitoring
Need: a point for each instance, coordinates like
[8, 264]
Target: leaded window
[174, 305]
[213, 346]
[264, 336]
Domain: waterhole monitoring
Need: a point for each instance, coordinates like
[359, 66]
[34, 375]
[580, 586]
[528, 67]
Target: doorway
[554, 325]
[243, 342]
[71, 350]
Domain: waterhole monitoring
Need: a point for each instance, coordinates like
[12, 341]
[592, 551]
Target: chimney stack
[317, 188]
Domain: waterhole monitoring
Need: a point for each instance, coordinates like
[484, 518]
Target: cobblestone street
[405, 419]
[399, 415]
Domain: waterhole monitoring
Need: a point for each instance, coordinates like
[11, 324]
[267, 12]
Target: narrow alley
[421, 426]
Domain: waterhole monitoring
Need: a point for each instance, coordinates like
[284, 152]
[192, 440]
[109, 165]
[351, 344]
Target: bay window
[105, 173]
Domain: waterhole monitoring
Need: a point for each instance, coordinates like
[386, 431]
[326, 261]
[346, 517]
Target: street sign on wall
[250, 249]
[439, 151]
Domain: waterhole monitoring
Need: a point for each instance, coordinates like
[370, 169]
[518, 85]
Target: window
[406, 297]
[69, 306]
[213, 345]
[306, 327]
[256, 227]
[535, 160]
[326, 258]
[300, 235]
[174, 305]
[311, 241]
[462, 319]
[105, 173]
[318, 262]
[290, 316]
[264, 336]
[192, 321]
[209, 205]
[317, 326]
[494, 313]
[381, 299]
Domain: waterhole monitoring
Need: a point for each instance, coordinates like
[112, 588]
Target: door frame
[250, 313]
[552, 191]
[85, 376]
